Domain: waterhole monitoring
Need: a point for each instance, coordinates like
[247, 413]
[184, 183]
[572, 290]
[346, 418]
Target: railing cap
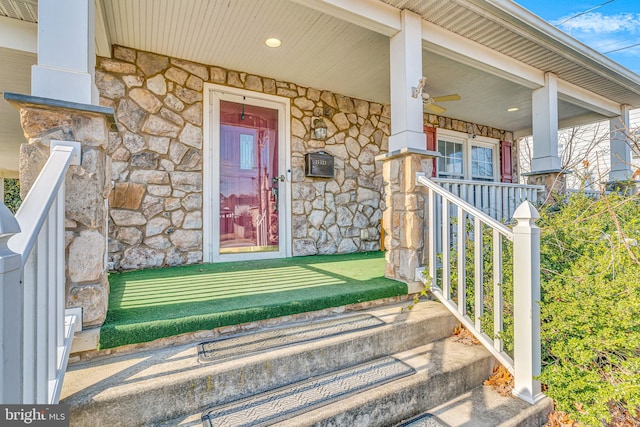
[8, 223]
[526, 211]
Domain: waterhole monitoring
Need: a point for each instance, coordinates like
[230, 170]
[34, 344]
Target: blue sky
[611, 26]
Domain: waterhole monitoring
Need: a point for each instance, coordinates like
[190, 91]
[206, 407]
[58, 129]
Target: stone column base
[86, 190]
[403, 218]
[626, 188]
[555, 183]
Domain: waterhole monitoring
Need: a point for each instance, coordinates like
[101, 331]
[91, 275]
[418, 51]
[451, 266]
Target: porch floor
[147, 305]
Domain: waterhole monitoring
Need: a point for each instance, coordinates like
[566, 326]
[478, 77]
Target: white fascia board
[453, 46]
[527, 24]
[103, 42]
[18, 35]
[583, 98]
[373, 15]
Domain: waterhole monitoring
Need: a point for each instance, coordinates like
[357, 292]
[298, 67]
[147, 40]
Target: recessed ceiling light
[512, 109]
[273, 42]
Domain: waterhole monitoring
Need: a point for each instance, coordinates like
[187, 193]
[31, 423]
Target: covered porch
[140, 84]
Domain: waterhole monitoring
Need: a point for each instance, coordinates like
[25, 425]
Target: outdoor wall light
[319, 129]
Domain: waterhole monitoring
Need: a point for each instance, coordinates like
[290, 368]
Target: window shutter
[506, 166]
[432, 145]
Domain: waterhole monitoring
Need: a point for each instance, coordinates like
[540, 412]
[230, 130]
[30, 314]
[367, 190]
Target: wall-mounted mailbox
[319, 164]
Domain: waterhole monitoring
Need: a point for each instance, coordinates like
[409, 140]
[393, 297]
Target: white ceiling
[327, 53]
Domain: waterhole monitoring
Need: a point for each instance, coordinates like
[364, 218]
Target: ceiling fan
[430, 102]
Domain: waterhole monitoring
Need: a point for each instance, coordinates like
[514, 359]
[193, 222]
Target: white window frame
[469, 140]
[455, 140]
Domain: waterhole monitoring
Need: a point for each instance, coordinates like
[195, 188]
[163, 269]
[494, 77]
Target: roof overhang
[492, 52]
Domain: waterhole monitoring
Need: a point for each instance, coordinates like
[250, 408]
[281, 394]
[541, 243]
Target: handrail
[35, 207]
[37, 331]
[504, 230]
[525, 364]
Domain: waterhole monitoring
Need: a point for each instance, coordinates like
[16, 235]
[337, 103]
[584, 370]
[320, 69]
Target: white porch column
[620, 151]
[66, 52]
[406, 71]
[545, 127]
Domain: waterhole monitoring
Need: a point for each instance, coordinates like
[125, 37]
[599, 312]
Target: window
[451, 164]
[467, 157]
[482, 163]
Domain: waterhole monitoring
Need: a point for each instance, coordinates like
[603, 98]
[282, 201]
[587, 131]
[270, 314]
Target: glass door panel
[249, 178]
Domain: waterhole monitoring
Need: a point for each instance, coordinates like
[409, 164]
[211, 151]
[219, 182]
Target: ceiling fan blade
[446, 98]
[436, 108]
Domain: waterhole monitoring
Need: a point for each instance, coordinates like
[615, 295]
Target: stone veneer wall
[156, 202]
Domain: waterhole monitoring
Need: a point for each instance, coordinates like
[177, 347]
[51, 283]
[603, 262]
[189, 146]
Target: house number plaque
[319, 164]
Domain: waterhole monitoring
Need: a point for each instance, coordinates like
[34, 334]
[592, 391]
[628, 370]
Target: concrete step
[150, 387]
[443, 369]
[483, 407]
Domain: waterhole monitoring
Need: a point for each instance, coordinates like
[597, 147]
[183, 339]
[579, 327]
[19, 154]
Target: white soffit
[24, 10]
[511, 30]
[318, 50]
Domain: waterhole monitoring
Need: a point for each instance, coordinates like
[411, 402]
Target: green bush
[12, 194]
[591, 306]
[506, 287]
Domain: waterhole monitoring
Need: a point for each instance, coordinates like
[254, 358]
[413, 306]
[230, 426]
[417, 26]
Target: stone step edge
[485, 404]
[390, 397]
[194, 386]
[85, 343]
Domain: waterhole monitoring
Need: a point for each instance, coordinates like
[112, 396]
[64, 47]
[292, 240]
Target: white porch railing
[499, 200]
[261, 230]
[593, 194]
[36, 329]
[453, 236]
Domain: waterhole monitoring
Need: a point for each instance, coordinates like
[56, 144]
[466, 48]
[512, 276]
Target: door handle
[278, 178]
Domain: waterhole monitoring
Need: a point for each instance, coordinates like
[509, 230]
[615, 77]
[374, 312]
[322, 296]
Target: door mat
[242, 345]
[423, 420]
[287, 402]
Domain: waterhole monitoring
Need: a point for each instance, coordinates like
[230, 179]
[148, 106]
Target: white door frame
[213, 94]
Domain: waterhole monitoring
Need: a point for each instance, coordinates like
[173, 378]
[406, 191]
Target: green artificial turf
[149, 304]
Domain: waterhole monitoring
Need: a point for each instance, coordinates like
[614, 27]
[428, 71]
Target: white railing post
[11, 296]
[526, 298]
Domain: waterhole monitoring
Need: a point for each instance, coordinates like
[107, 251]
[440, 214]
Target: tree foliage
[12, 194]
[591, 306]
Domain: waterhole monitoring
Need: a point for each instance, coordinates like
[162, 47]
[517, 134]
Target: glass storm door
[249, 213]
